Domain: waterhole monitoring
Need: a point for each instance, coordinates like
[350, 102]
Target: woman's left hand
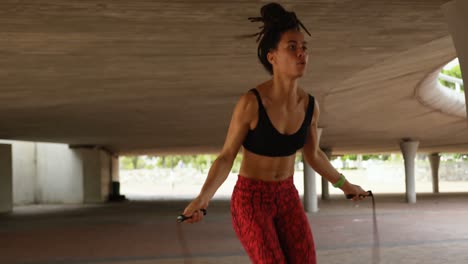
[354, 190]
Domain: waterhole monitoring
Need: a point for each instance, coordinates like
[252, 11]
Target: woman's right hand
[193, 210]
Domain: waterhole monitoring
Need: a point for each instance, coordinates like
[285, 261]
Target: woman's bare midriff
[265, 168]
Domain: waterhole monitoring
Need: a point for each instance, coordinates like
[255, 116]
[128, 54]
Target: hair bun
[273, 14]
[275, 19]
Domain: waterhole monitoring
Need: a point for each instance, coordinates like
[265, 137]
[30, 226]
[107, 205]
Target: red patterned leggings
[270, 222]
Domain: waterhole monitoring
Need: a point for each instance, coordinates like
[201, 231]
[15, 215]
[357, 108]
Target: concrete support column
[115, 168]
[115, 181]
[325, 183]
[6, 178]
[409, 149]
[456, 15]
[310, 189]
[310, 186]
[96, 174]
[115, 184]
[434, 160]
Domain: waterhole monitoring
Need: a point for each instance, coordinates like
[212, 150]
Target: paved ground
[434, 230]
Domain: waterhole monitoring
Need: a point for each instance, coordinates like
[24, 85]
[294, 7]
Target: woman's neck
[283, 89]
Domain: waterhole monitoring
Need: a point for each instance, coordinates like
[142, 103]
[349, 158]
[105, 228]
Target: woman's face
[290, 57]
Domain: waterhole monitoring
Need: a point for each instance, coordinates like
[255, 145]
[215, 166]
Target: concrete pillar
[24, 171]
[310, 186]
[325, 182]
[310, 189]
[409, 149]
[456, 14]
[6, 178]
[115, 168]
[115, 184]
[96, 174]
[434, 160]
[59, 174]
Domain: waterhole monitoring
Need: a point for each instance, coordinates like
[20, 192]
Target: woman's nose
[301, 53]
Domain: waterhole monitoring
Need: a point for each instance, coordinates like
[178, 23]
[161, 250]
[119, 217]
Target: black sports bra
[267, 141]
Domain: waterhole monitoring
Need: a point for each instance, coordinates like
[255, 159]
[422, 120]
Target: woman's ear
[271, 57]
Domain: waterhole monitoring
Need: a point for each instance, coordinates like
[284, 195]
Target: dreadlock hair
[276, 20]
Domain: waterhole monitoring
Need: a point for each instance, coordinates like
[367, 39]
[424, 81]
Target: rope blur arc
[375, 230]
[183, 244]
[182, 241]
[375, 233]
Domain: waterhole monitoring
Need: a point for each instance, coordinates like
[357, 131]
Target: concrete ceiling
[146, 76]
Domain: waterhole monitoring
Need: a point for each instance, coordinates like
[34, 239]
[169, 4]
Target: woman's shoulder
[304, 96]
[303, 93]
[247, 103]
[249, 97]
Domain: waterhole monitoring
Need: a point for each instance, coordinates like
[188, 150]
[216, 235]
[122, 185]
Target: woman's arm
[242, 116]
[244, 112]
[318, 160]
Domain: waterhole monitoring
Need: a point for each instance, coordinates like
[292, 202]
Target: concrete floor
[434, 230]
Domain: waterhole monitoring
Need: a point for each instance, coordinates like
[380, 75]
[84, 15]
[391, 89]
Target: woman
[272, 122]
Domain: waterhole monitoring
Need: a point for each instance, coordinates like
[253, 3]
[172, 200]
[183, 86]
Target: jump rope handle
[351, 196]
[182, 217]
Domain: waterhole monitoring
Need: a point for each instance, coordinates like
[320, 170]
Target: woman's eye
[292, 47]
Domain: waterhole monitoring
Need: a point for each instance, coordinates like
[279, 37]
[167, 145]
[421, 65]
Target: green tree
[454, 72]
[131, 162]
[349, 157]
[135, 161]
[376, 156]
[126, 163]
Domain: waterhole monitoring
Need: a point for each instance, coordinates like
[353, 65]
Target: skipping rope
[183, 243]
[375, 233]
[375, 230]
